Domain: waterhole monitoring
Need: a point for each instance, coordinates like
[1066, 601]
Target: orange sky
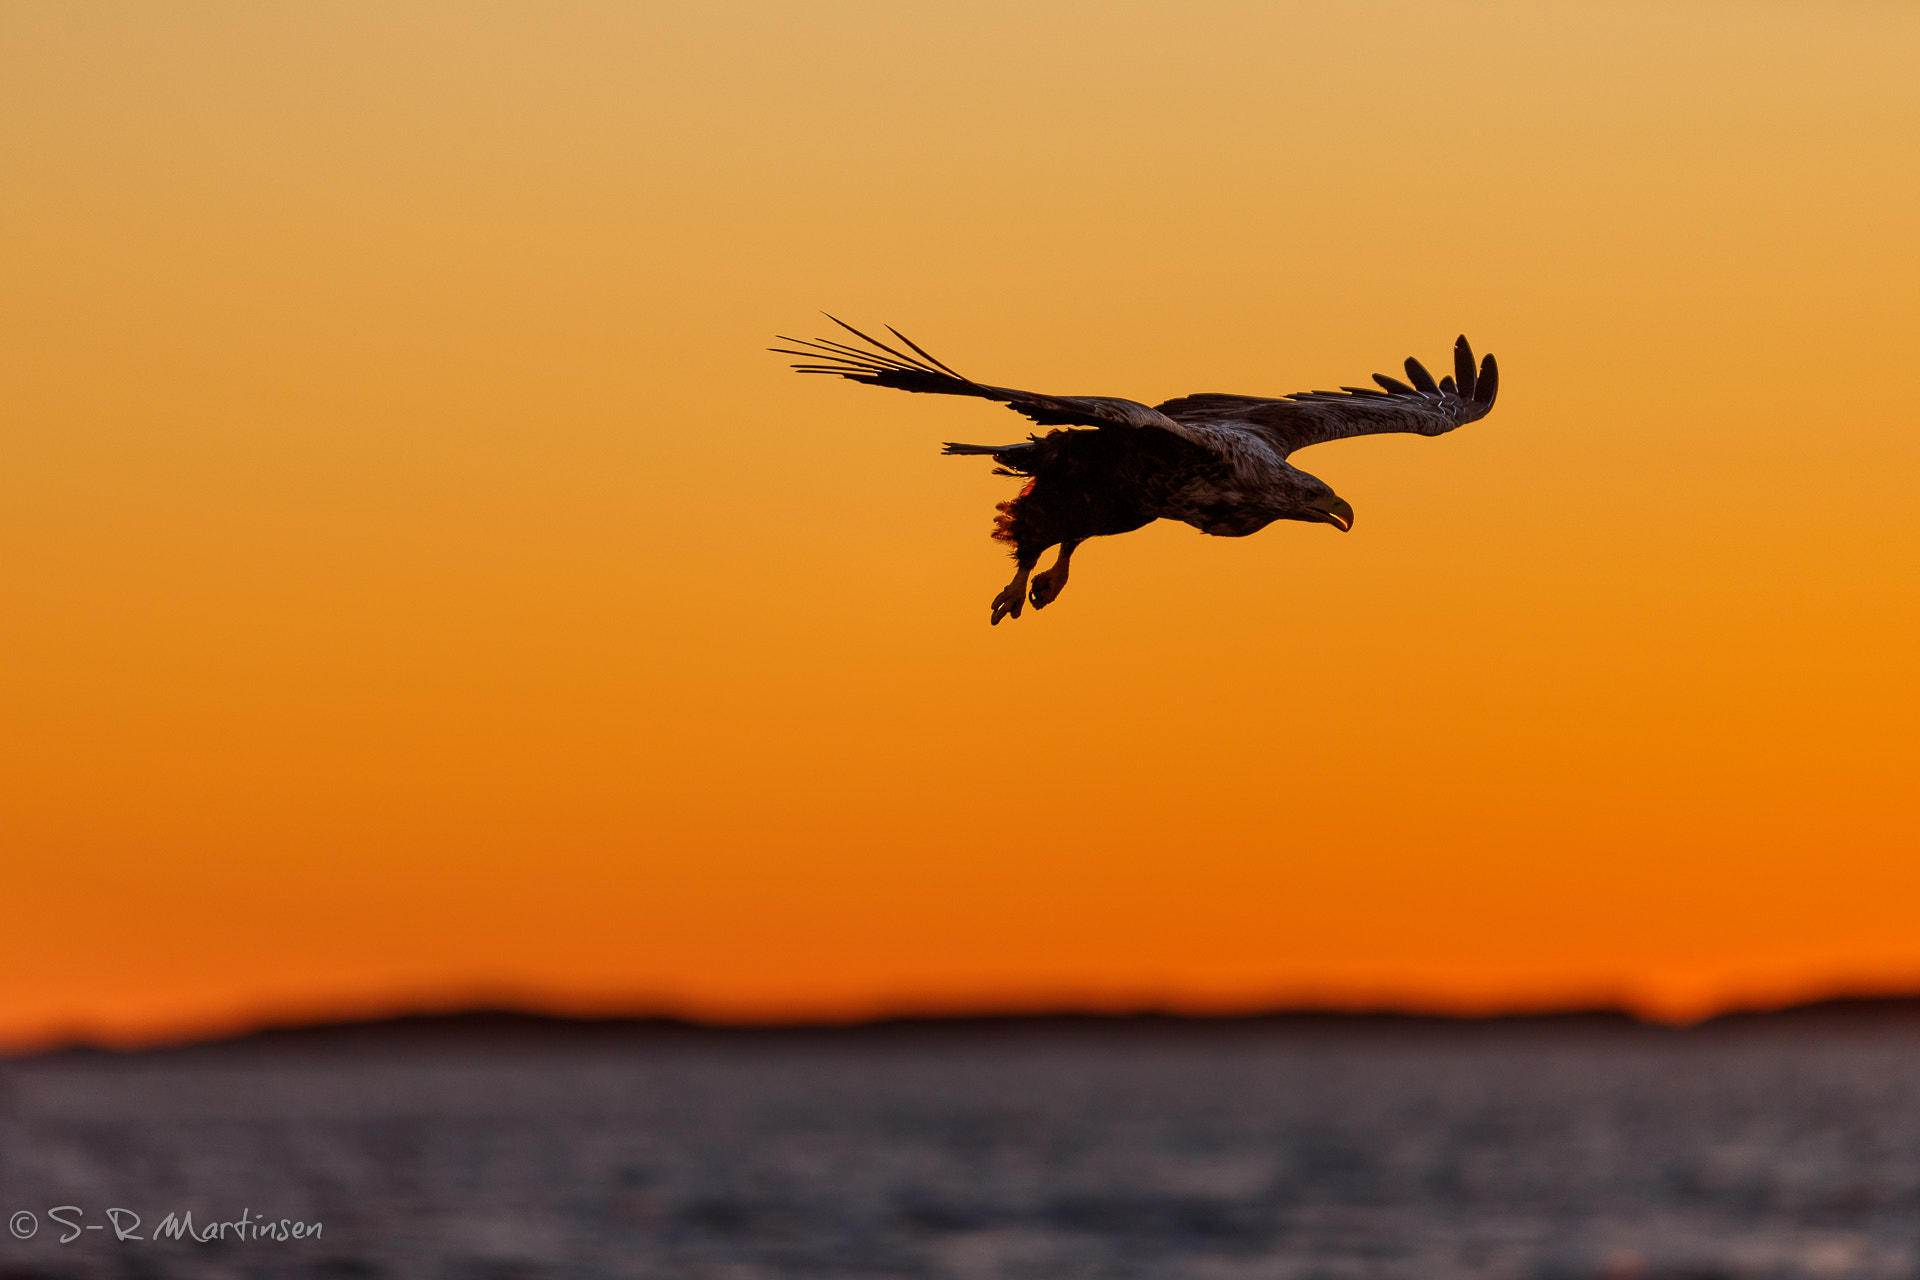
[419, 586]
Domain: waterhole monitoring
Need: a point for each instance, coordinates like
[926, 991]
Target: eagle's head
[1316, 502]
[1332, 510]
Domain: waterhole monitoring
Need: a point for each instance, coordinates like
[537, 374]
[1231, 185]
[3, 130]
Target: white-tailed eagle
[1216, 462]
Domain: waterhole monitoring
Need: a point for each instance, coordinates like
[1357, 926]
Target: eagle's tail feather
[1022, 447]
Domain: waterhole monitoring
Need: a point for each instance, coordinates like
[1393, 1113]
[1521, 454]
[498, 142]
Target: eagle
[1109, 466]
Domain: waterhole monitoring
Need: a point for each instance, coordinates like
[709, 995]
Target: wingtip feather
[872, 341]
[1463, 367]
[1489, 385]
[923, 351]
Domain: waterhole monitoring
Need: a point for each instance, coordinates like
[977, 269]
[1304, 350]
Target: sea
[506, 1147]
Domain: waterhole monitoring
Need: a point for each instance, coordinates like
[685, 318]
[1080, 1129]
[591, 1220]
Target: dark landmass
[530, 1028]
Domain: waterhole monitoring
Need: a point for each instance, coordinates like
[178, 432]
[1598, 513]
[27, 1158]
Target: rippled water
[1279, 1149]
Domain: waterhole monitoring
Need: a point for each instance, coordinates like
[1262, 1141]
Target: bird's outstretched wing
[1425, 408]
[884, 366]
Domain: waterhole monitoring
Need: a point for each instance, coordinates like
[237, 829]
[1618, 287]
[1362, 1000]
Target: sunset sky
[419, 587]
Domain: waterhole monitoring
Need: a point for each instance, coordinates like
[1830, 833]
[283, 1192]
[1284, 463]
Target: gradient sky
[420, 586]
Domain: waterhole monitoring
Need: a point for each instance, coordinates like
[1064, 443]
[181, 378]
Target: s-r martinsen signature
[125, 1225]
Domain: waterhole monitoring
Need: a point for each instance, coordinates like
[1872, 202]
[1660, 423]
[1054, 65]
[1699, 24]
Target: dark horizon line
[497, 1022]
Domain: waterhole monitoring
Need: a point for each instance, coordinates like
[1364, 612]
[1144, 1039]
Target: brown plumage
[1216, 462]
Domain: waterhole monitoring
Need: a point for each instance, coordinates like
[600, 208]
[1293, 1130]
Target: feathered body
[1092, 484]
[1217, 462]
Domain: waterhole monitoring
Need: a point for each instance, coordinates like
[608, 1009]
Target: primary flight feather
[1216, 462]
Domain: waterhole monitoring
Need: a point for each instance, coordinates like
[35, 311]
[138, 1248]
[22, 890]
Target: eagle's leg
[1047, 586]
[1014, 595]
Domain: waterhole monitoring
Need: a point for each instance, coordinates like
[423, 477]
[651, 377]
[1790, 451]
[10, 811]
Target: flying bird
[1216, 462]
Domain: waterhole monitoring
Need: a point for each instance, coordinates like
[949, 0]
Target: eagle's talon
[1048, 586]
[1008, 603]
